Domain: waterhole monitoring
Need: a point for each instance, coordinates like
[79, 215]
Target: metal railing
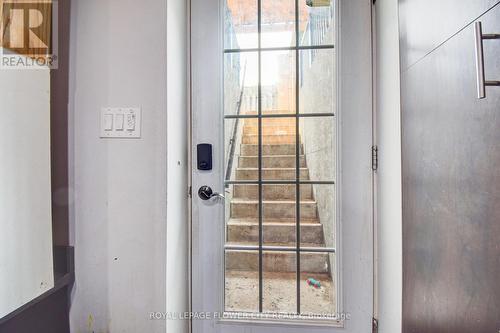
[319, 22]
[232, 141]
[318, 26]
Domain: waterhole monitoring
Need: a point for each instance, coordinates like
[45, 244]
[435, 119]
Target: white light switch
[121, 123]
[119, 118]
[108, 122]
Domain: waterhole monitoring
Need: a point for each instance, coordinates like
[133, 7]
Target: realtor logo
[28, 33]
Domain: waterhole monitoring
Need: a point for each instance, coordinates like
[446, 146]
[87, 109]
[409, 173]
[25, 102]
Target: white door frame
[355, 181]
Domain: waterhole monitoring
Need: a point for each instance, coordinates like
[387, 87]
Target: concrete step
[292, 121]
[271, 174]
[272, 209]
[276, 261]
[268, 129]
[284, 220]
[270, 139]
[279, 111]
[273, 192]
[274, 232]
[278, 149]
[274, 161]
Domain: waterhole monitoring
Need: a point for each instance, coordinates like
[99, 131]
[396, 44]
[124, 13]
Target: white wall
[177, 119]
[119, 58]
[26, 264]
[389, 173]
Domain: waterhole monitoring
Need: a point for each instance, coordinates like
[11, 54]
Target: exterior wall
[274, 11]
[119, 58]
[286, 85]
[317, 95]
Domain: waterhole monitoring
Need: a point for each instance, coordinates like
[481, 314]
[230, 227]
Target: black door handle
[206, 193]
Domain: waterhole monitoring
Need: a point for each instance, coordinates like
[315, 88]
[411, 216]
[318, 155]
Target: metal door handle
[206, 193]
[481, 82]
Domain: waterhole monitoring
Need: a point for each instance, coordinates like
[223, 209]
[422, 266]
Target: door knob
[206, 193]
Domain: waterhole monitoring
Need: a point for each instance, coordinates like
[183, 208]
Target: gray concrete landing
[242, 293]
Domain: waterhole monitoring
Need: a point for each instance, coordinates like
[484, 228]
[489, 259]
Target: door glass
[278, 23]
[280, 157]
[241, 25]
[317, 22]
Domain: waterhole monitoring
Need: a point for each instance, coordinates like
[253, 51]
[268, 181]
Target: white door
[281, 91]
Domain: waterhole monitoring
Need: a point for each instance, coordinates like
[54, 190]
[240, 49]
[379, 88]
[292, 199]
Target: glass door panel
[280, 154]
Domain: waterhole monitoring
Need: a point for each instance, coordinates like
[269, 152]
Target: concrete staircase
[279, 206]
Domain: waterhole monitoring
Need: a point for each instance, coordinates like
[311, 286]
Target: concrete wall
[26, 265]
[389, 236]
[317, 95]
[119, 58]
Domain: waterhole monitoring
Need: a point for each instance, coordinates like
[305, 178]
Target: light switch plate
[121, 123]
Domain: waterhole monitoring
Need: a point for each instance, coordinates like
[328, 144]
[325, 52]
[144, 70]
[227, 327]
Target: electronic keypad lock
[204, 156]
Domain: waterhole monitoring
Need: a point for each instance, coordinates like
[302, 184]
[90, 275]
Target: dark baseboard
[48, 313]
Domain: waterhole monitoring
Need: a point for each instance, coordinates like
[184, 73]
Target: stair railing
[232, 141]
[318, 25]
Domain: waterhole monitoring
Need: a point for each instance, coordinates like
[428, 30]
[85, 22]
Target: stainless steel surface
[451, 187]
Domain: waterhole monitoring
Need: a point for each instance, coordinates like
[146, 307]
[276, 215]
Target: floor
[279, 296]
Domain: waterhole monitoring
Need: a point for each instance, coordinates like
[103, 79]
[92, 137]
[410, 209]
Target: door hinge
[375, 158]
[375, 325]
[190, 191]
